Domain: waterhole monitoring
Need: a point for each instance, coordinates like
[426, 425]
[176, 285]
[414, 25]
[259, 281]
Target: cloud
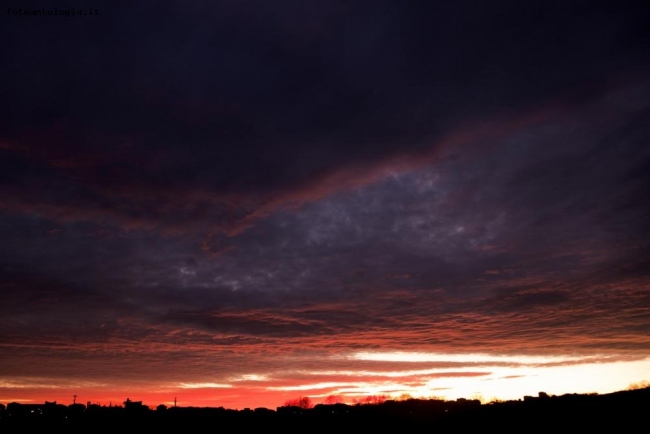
[232, 128]
[246, 187]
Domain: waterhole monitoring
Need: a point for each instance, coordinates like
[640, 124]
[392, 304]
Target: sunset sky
[236, 203]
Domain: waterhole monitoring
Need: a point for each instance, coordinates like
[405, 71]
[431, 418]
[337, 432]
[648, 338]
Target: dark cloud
[166, 115]
[232, 183]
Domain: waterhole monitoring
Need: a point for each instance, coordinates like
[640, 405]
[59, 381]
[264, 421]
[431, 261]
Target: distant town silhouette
[623, 408]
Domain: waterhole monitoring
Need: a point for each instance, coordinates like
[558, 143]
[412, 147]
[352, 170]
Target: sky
[237, 203]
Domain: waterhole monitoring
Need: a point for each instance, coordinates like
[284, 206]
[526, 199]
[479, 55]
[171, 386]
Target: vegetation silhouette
[302, 402]
[629, 408]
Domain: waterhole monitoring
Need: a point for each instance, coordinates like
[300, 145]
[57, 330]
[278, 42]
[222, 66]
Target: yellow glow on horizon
[204, 386]
[310, 386]
[582, 375]
[514, 383]
[487, 382]
[392, 374]
[406, 357]
[251, 377]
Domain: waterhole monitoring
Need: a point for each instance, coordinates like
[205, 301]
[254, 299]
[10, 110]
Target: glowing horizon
[529, 376]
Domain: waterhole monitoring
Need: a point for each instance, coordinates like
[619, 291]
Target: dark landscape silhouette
[623, 408]
[291, 204]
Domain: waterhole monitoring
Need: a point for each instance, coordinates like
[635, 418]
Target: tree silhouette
[371, 399]
[639, 385]
[303, 402]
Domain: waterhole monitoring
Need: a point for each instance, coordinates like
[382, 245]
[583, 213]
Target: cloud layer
[214, 191]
